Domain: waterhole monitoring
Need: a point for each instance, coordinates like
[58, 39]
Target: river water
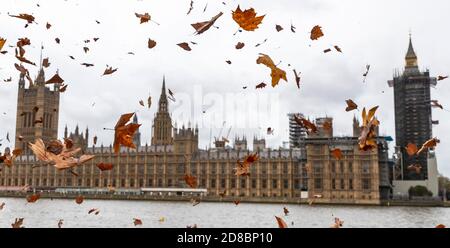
[120, 214]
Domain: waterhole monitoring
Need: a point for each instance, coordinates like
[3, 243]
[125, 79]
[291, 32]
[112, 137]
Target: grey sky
[369, 32]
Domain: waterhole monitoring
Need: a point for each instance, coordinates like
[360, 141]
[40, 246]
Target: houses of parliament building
[299, 173]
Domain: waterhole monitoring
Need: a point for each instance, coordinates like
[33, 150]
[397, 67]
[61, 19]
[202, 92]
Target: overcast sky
[368, 32]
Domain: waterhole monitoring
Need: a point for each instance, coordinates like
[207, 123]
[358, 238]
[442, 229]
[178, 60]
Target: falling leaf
[63, 88]
[337, 153]
[56, 79]
[338, 49]
[79, 199]
[247, 19]
[441, 226]
[195, 202]
[87, 65]
[149, 101]
[60, 223]
[240, 45]
[2, 205]
[58, 41]
[96, 39]
[171, 96]
[2, 43]
[316, 32]
[281, 223]
[286, 211]
[222, 194]
[276, 73]
[185, 46]
[261, 85]
[137, 222]
[62, 158]
[48, 26]
[367, 139]
[228, 62]
[105, 166]
[236, 202]
[366, 73]
[351, 105]
[297, 78]
[278, 28]
[270, 131]
[201, 27]
[337, 223]
[144, 17]
[191, 181]
[435, 103]
[7, 80]
[86, 49]
[109, 70]
[29, 18]
[293, 28]
[243, 168]
[141, 102]
[327, 50]
[440, 78]
[45, 63]
[33, 198]
[17, 223]
[151, 43]
[190, 7]
[124, 133]
[309, 126]
[411, 149]
[428, 144]
[92, 210]
[95, 140]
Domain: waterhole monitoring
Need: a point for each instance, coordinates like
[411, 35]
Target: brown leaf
[45, 63]
[109, 71]
[236, 202]
[440, 78]
[86, 49]
[137, 222]
[415, 168]
[105, 166]
[261, 85]
[309, 126]
[316, 32]
[95, 140]
[281, 222]
[435, 103]
[151, 43]
[367, 139]
[243, 168]
[191, 181]
[297, 78]
[201, 27]
[228, 62]
[190, 7]
[286, 211]
[63, 88]
[338, 49]
[144, 17]
[17, 223]
[92, 210]
[2, 43]
[327, 50]
[240, 45]
[337, 153]
[124, 133]
[141, 102]
[351, 105]
[58, 41]
[278, 28]
[87, 65]
[79, 199]
[431, 143]
[411, 149]
[441, 226]
[337, 223]
[185, 46]
[29, 18]
[247, 19]
[33, 198]
[48, 26]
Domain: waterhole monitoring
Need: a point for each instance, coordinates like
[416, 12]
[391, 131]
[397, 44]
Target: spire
[163, 103]
[135, 119]
[77, 132]
[40, 80]
[411, 57]
[65, 132]
[163, 90]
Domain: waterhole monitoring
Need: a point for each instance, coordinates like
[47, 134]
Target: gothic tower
[37, 111]
[137, 135]
[413, 122]
[162, 124]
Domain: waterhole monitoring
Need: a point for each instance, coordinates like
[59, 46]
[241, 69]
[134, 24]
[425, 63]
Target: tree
[419, 190]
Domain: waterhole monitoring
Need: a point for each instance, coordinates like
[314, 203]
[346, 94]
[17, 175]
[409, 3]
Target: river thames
[119, 214]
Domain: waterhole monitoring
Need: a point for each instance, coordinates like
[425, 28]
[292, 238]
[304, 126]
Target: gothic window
[285, 184]
[342, 184]
[213, 183]
[243, 183]
[233, 183]
[253, 183]
[333, 183]
[366, 184]
[223, 183]
[274, 184]
[318, 183]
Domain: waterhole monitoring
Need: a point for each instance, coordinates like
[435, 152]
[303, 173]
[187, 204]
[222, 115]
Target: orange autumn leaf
[137, 222]
[337, 223]
[441, 226]
[105, 166]
[316, 32]
[309, 126]
[411, 149]
[143, 17]
[33, 198]
[151, 43]
[351, 105]
[191, 181]
[17, 223]
[201, 27]
[243, 168]
[79, 199]
[56, 79]
[2, 43]
[247, 19]
[281, 222]
[431, 143]
[367, 139]
[185, 46]
[124, 132]
[337, 153]
[276, 73]
[29, 18]
[109, 70]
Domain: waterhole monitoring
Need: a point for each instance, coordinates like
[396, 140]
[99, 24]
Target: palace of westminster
[307, 169]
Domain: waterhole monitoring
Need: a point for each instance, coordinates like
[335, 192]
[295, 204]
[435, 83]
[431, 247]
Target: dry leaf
[105, 166]
[137, 222]
[351, 105]
[240, 45]
[191, 7]
[2, 43]
[441, 226]
[316, 32]
[141, 102]
[276, 73]
[428, 144]
[243, 168]
[185, 46]
[87, 65]
[48, 26]
[56, 79]
[191, 181]
[337, 153]
[281, 223]
[124, 133]
[45, 63]
[297, 78]
[411, 149]
[79, 199]
[309, 126]
[415, 168]
[327, 50]
[58, 41]
[63, 88]
[236, 202]
[286, 211]
[95, 140]
[33, 198]
[151, 43]
[201, 27]
[247, 19]
[367, 139]
[29, 18]
[86, 49]
[435, 103]
[440, 78]
[338, 49]
[337, 223]
[261, 85]
[109, 70]
[17, 223]
[278, 28]
[144, 17]
[228, 62]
